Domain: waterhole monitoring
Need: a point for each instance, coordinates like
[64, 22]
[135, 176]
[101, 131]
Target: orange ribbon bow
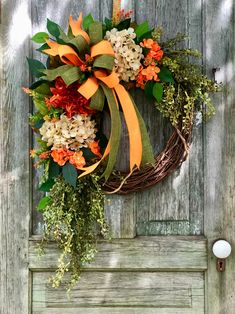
[69, 56]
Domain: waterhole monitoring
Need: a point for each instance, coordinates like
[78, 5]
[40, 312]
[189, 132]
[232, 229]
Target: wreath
[89, 71]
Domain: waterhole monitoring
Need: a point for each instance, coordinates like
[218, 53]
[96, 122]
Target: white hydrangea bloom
[127, 53]
[69, 133]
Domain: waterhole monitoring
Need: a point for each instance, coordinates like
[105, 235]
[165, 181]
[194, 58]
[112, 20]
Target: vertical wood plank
[14, 144]
[120, 210]
[168, 200]
[220, 153]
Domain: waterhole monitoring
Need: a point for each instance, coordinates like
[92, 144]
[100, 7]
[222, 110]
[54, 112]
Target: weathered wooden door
[161, 260]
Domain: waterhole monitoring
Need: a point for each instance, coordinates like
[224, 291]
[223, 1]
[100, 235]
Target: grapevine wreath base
[170, 158]
[88, 72]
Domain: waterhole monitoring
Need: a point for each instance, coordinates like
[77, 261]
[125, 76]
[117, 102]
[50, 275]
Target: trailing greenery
[71, 216]
[191, 91]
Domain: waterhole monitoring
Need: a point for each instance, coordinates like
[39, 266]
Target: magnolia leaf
[142, 29]
[95, 32]
[43, 47]
[87, 21]
[145, 35]
[40, 37]
[97, 100]
[38, 124]
[123, 24]
[115, 131]
[104, 61]
[43, 203]
[87, 153]
[148, 89]
[165, 75]
[108, 24]
[36, 67]
[158, 91]
[53, 28]
[70, 174]
[46, 186]
[37, 83]
[54, 169]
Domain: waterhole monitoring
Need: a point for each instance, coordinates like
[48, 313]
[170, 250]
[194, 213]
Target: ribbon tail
[147, 154]
[133, 126]
[90, 169]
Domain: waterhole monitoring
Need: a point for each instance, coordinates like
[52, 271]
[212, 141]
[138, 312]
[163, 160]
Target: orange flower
[157, 55]
[155, 50]
[151, 73]
[77, 160]
[61, 156]
[94, 147]
[147, 43]
[33, 153]
[44, 155]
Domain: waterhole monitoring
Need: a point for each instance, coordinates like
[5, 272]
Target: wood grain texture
[219, 145]
[174, 206]
[14, 155]
[152, 253]
[123, 290]
[120, 211]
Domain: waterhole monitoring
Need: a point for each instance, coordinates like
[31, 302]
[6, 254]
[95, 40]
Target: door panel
[129, 290]
[152, 275]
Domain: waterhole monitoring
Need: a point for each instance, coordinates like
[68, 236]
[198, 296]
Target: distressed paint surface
[123, 291]
[14, 157]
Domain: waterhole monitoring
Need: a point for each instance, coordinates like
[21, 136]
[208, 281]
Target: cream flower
[69, 133]
[127, 53]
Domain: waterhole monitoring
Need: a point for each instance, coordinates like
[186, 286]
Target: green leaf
[46, 186]
[43, 203]
[53, 28]
[43, 47]
[97, 100]
[95, 32]
[39, 103]
[165, 75]
[38, 124]
[43, 89]
[104, 61]
[40, 37]
[54, 169]
[158, 91]
[87, 153]
[123, 24]
[115, 131]
[37, 83]
[142, 29]
[108, 24]
[70, 174]
[148, 89]
[35, 67]
[145, 35]
[87, 21]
